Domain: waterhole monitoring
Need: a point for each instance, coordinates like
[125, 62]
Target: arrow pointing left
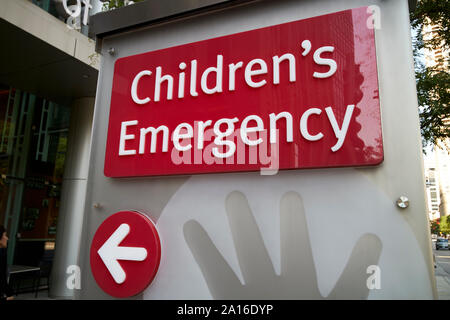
[110, 253]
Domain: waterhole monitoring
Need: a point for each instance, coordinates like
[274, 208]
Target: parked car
[441, 244]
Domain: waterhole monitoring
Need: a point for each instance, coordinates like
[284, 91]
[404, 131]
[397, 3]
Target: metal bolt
[403, 202]
[112, 51]
[97, 205]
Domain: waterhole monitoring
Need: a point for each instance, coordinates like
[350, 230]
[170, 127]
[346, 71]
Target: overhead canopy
[42, 56]
[33, 65]
[151, 12]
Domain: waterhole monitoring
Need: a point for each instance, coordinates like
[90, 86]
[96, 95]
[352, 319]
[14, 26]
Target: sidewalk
[442, 283]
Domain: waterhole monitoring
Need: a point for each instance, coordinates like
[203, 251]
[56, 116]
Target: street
[442, 272]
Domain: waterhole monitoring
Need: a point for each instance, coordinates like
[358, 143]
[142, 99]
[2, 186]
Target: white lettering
[154, 133]
[124, 137]
[159, 80]
[220, 135]
[134, 87]
[232, 78]
[249, 73]
[273, 126]
[340, 133]
[218, 70]
[224, 133]
[87, 6]
[321, 61]
[182, 66]
[75, 13]
[193, 86]
[201, 131]
[245, 130]
[276, 67]
[304, 125]
[177, 136]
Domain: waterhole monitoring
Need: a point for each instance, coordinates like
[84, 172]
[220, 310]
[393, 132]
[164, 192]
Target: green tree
[433, 82]
[114, 4]
[444, 226]
[434, 227]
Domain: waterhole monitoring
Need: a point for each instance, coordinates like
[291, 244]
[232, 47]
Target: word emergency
[250, 124]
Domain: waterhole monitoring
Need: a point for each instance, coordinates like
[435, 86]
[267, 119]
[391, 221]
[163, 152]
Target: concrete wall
[70, 219]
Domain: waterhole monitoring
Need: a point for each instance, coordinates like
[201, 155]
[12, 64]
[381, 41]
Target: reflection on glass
[33, 145]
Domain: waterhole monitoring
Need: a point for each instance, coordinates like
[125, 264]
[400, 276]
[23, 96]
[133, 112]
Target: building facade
[433, 190]
[442, 151]
[48, 80]
[439, 58]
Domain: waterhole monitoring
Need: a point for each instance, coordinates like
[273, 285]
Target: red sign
[125, 254]
[303, 94]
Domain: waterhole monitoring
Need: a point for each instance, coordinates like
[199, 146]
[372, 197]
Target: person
[6, 292]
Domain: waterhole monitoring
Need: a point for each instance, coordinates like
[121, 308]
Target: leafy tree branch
[433, 80]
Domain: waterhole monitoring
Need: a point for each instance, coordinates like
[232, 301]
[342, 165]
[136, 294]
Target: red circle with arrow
[125, 254]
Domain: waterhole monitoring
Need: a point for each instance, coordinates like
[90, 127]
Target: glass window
[33, 146]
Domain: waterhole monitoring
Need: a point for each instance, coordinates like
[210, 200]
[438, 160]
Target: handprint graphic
[294, 235]
[298, 278]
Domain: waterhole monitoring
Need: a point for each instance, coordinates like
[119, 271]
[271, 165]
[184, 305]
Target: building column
[70, 218]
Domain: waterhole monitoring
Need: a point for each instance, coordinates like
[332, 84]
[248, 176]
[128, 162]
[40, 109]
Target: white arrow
[110, 252]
